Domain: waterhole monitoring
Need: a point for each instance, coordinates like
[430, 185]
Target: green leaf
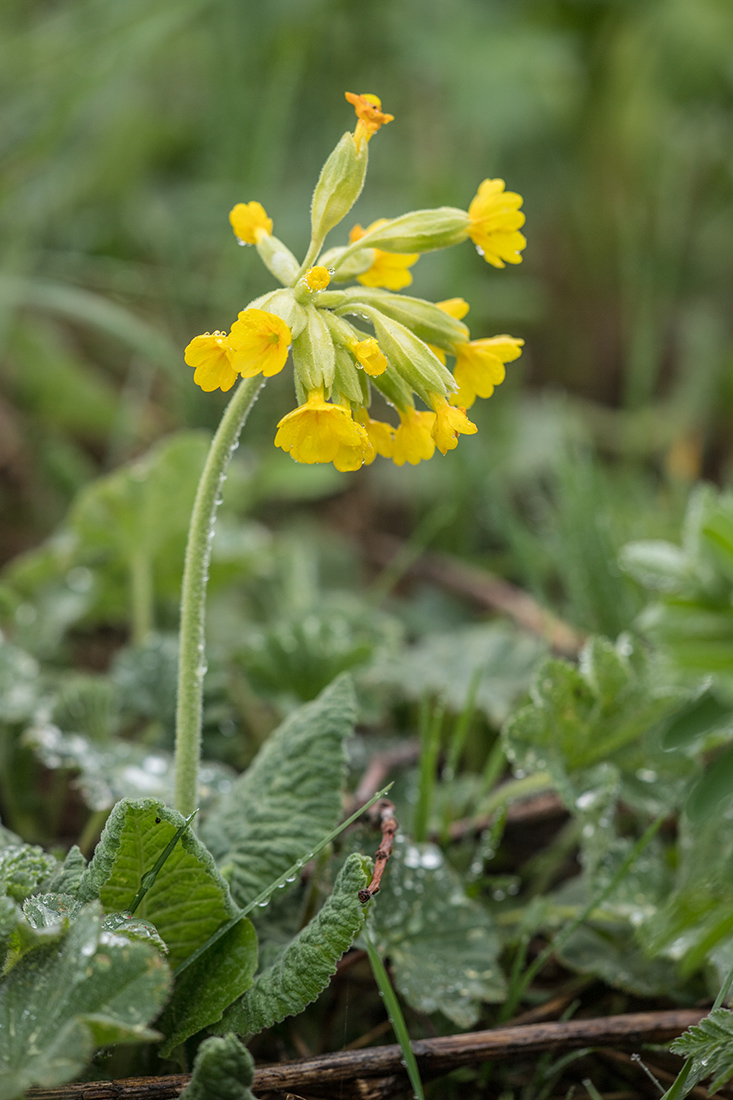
[213, 982]
[443, 946]
[23, 868]
[189, 899]
[710, 1045]
[222, 1070]
[609, 951]
[60, 1001]
[444, 664]
[66, 878]
[20, 685]
[289, 797]
[306, 965]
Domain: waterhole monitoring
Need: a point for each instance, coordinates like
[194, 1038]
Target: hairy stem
[191, 656]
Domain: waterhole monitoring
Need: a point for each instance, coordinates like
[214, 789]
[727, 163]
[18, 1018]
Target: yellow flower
[480, 366]
[450, 422]
[370, 356]
[381, 435]
[317, 278]
[389, 269]
[322, 432]
[259, 341]
[495, 221]
[249, 222]
[209, 354]
[413, 440]
[369, 114]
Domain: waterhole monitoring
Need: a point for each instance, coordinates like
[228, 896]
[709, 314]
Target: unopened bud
[313, 353]
[339, 185]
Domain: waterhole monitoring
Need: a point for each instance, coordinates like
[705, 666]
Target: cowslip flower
[450, 422]
[250, 222]
[320, 431]
[480, 366]
[389, 269]
[209, 356]
[336, 364]
[495, 223]
[258, 341]
[370, 115]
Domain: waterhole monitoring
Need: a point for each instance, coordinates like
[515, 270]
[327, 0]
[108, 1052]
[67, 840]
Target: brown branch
[384, 812]
[484, 588]
[434, 1056]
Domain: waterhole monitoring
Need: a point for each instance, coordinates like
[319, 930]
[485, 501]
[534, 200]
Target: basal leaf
[222, 1070]
[443, 946]
[289, 797]
[710, 1045]
[23, 868]
[306, 965]
[20, 684]
[62, 1000]
[213, 982]
[189, 899]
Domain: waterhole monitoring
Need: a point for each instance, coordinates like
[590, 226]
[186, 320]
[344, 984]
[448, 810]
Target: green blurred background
[129, 128]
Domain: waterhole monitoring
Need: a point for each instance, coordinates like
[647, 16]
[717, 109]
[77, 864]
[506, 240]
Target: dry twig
[384, 812]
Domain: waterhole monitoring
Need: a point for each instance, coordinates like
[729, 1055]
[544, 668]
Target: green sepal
[278, 259]
[283, 304]
[410, 357]
[418, 231]
[339, 185]
[314, 356]
[354, 265]
[349, 380]
[428, 321]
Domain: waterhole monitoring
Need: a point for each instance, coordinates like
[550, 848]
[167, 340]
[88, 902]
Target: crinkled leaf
[443, 946]
[610, 951]
[50, 910]
[210, 984]
[222, 1070]
[446, 663]
[66, 878]
[306, 965]
[288, 798]
[60, 1001]
[189, 899]
[710, 1045]
[23, 868]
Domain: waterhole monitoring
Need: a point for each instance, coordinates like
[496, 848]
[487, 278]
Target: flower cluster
[315, 316]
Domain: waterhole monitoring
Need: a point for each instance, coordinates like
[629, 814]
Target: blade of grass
[395, 1016]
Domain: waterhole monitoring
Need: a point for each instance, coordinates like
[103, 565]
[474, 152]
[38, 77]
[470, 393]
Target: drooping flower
[413, 440]
[480, 367]
[209, 355]
[389, 269]
[250, 221]
[370, 356]
[369, 114]
[450, 422]
[258, 341]
[320, 431]
[381, 435]
[495, 222]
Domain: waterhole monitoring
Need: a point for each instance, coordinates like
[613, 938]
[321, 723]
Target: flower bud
[418, 231]
[314, 356]
[427, 320]
[277, 258]
[339, 185]
[350, 382]
[282, 303]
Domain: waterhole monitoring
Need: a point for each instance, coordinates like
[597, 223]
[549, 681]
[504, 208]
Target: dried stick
[384, 812]
[434, 1056]
[485, 589]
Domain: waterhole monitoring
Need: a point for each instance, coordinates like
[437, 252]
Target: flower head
[495, 222]
[381, 435]
[258, 341]
[413, 440]
[450, 422]
[369, 114]
[320, 431]
[209, 355]
[480, 366]
[370, 356]
[389, 269]
[249, 222]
